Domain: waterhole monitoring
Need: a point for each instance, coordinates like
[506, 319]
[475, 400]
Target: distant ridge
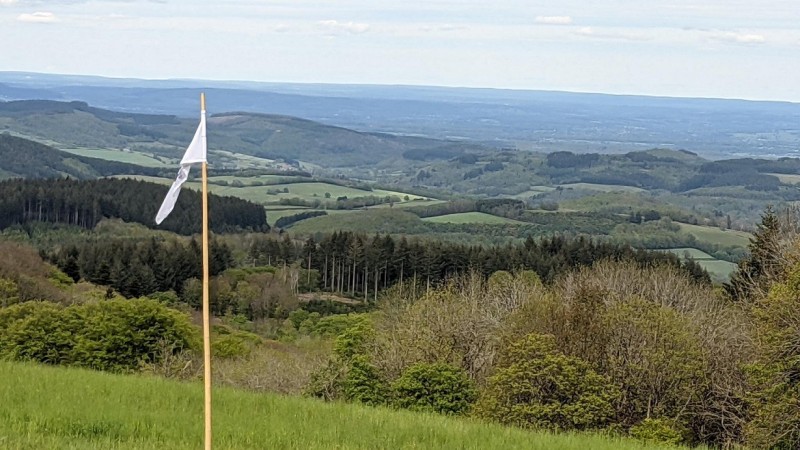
[535, 120]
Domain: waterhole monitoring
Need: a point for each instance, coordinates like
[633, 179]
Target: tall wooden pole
[206, 313]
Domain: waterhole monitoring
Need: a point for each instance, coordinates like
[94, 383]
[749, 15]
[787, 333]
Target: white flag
[195, 153]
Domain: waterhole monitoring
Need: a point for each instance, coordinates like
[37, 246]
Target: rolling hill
[23, 158]
[76, 124]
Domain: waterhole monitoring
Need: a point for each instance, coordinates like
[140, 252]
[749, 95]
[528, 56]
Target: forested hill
[23, 158]
[262, 135]
[85, 203]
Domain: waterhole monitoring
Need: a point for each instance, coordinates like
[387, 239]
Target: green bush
[115, 335]
[229, 343]
[658, 431]
[362, 382]
[9, 292]
[439, 388]
[537, 386]
[775, 376]
[350, 374]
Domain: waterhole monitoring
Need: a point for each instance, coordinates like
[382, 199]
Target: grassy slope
[718, 269]
[717, 236]
[470, 217]
[131, 157]
[57, 408]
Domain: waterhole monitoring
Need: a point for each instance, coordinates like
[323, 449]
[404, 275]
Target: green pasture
[58, 408]
[471, 217]
[129, 156]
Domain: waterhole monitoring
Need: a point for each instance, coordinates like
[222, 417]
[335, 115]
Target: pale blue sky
[699, 48]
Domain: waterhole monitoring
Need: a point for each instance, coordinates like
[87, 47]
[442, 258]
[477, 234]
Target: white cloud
[281, 28]
[7, 2]
[623, 35]
[554, 20]
[739, 38]
[38, 17]
[334, 27]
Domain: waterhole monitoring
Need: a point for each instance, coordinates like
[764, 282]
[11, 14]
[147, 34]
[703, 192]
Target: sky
[747, 49]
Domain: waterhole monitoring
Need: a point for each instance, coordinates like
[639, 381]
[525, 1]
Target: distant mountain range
[536, 120]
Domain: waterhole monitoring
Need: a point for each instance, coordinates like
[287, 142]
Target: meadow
[61, 408]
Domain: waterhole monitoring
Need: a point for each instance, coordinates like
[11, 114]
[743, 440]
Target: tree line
[357, 264]
[84, 203]
[138, 268]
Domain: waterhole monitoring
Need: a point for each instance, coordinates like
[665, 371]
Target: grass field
[470, 217]
[717, 236]
[131, 157]
[57, 408]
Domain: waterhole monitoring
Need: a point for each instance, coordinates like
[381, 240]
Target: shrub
[775, 376]
[439, 388]
[229, 343]
[537, 386]
[658, 431]
[362, 382]
[350, 373]
[115, 335]
[9, 292]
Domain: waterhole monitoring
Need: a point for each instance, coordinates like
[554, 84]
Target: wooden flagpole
[206, 314]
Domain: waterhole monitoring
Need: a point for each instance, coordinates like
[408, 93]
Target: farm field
[131, 157]
[60, 408]
[471, 217]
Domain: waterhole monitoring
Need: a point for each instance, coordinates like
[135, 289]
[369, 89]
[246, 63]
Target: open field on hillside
[787, 178]
[470, 217]
[131, 157]
[719, 270]
[260, 178]
[57, 408]
[717, 236]
[602, 187]
[261, 194]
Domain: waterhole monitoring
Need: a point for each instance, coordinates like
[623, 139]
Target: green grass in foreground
[57, 408]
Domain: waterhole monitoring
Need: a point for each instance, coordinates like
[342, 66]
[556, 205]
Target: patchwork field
[58, 408]
[274, 193]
